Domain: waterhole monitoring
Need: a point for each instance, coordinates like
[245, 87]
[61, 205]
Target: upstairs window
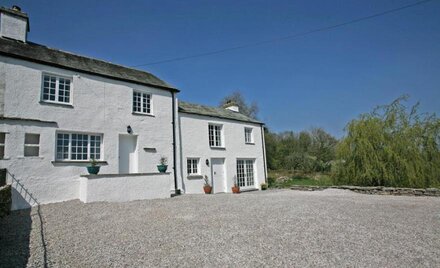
[192, 166]
[215, 135]
[78, 146]
[2, 145]
[56, 89]
[31, 144]
[248, 138]
[141, 103]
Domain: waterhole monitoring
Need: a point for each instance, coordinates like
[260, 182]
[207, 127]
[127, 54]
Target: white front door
[128, 162]
[218, 175]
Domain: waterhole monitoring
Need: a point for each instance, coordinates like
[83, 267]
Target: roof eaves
[222, 117]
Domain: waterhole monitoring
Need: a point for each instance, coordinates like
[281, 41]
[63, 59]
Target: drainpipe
[264, 153]
[176, 188]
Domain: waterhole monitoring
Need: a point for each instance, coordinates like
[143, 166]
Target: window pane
[240, 173]
[64, 90]
[2, 138]
[31, 138]
[31, 151]
[136, 102]
[250, 172]
[62, 146]
[49, 87]
[2, 151]
[95, 147]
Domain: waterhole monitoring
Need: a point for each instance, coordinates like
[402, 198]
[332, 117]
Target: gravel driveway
[272, 228]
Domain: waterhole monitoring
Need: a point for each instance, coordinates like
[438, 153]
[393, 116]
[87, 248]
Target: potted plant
[235, 188]
[93, 168]
[163, 165]
[207, 187]
[264, 186]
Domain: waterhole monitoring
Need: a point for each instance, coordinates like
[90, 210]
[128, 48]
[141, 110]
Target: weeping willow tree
[391, 146]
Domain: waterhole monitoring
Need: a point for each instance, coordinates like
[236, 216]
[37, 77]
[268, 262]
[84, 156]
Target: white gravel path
[330, 228]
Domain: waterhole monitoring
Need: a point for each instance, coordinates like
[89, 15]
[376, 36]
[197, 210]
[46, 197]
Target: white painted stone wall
[124, 188]
[14, 27]
[100, 105]
[194, 142]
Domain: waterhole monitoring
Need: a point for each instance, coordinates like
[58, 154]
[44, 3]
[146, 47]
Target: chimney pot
[16, 8]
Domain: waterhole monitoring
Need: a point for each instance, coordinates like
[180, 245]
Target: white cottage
[221, 143]
[59, 110]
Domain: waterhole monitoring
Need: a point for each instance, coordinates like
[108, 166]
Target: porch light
[129, 130]
[207, 162]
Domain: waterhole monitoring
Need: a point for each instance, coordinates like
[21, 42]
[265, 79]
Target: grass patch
[282, 179]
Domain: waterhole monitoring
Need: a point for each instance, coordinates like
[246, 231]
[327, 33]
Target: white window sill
[143, 114]
[30, 157]
[102, 162]
[218, 147]
[54, 103]
[195, 176]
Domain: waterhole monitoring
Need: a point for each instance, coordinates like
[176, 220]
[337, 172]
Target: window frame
[197, 166]
[3, 145]
[57, 89]
[247, 181]
[221, 140]
[141, 105]
[31, 145]
[69, 146]
[251, 135]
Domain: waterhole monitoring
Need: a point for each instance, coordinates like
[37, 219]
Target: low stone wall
[5, 200]
[124, 187]
[374, 190]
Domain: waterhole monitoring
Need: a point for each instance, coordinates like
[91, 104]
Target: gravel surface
[272, 228]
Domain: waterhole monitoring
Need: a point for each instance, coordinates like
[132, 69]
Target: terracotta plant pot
[235, 189]
[207, 189]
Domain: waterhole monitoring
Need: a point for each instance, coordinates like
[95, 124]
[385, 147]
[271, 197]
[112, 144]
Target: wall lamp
[207, 162]
[129, 130]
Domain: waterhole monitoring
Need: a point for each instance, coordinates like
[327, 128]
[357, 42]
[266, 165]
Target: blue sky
[321, 80]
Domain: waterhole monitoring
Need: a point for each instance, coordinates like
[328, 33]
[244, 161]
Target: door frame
[136, 153]
[224, 190]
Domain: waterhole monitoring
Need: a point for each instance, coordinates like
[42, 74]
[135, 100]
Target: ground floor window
[245, 172]
[31, 144]
[192, 166]
[79, 146]
[2, 145]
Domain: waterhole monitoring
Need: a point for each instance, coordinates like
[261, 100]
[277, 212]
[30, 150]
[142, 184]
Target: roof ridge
[39, 53]
[87, 57]
[216, 112]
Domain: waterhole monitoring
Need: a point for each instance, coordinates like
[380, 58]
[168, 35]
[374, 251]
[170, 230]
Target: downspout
[176, 188]
[264, 153]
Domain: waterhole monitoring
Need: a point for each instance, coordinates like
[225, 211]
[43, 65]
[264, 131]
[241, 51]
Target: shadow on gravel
[15, 230]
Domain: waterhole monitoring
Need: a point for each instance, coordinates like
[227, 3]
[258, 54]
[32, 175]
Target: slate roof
[49, 56]
[190, 108]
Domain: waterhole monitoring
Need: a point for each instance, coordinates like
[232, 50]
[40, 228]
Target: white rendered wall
[100, 105]
[194, 142]
[124, 188]
[14, 27]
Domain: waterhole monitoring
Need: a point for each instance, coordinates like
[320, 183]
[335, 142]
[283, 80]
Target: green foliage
[307, 151]
[391, 146]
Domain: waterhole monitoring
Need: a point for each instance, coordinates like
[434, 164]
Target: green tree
[391, 146]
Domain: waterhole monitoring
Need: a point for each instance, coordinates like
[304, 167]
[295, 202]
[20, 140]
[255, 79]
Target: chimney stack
[232, 106]
[14, 24]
